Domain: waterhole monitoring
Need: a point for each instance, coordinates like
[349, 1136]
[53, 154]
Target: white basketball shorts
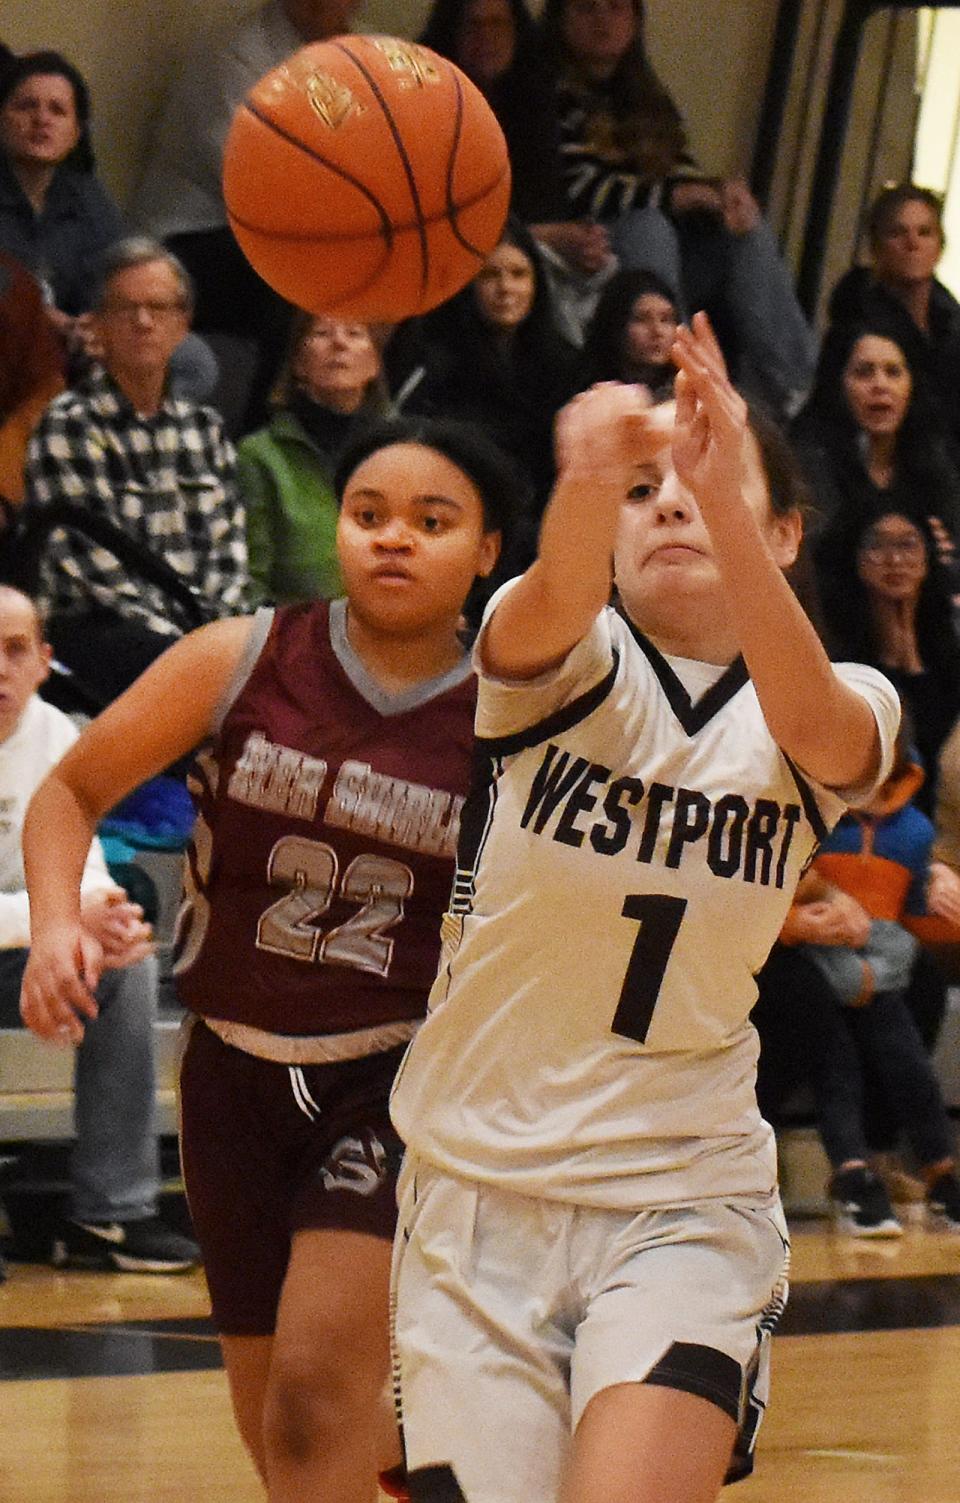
[511, 1312]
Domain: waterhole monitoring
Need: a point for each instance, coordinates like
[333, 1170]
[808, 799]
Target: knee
[294, 1419]
[308, 1405]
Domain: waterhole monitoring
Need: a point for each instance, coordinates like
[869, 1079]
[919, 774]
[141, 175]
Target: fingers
[707, 403]
[130, 954]
[697, 353]
[119, 946]
[58, 984]
[54, 1009]
[610, 427]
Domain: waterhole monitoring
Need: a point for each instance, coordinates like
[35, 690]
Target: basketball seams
[354, 237]
[398, 268]
[407, 165]
[386, 224]
[454, 209]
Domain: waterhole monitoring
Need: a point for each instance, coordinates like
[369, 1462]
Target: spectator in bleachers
[330, 385]
[886, 602]
[496, 44]
[492, 355]
[905, 234]
[113, 1222]
[852, 920]
[631, 334]
[627, 167]
[179, 196]
[31, 371]
[868, 439]
[157, 469]
[55, 215]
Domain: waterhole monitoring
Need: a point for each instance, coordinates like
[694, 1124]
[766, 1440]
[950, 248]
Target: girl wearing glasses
[886, 600]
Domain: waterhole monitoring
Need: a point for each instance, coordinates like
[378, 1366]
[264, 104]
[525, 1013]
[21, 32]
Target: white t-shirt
[625, 865]
[42, 736]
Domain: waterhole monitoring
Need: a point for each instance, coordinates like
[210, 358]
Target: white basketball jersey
[627, 858]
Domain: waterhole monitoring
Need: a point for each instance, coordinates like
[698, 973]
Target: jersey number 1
[659, 918]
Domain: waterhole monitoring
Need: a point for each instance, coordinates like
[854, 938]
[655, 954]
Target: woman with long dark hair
[867, 437]
[495, 42]
[57, 218]
[631, 334]
[493, 355]
[627, 167]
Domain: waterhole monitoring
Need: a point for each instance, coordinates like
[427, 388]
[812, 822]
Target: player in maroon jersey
[338, 753]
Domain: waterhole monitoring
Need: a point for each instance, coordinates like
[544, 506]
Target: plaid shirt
[169, 480]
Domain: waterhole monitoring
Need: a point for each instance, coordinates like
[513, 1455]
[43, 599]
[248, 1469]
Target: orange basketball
[366, 178]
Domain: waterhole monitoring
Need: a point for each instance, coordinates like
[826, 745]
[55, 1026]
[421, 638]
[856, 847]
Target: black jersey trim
[702, 1370]
[692, 716]
[555, 724]
[808, 799]
[435, 1484]
[476, 820]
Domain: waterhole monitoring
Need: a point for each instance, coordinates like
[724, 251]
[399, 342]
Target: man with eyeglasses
[121, 449]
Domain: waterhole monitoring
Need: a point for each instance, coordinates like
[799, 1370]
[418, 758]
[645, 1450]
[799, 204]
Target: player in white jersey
[591, 1251]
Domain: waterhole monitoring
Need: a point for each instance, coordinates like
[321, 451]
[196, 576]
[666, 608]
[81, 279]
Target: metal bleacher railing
[838, 119]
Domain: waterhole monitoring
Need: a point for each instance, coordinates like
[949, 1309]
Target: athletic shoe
[943, 1203]
[144, 1246]
[393, 1484]
[862, 1206]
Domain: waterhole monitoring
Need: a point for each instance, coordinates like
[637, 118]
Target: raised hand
[610, 430]
[710, 431]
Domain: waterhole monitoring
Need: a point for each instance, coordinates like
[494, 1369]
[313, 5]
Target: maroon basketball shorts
[269, 1150]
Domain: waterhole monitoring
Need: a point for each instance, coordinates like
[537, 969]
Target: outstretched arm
[604, 437]
[161, 717]
[827, 728]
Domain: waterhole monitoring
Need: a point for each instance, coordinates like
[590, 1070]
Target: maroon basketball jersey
[323, 853]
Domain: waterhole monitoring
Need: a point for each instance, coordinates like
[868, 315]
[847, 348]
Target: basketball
[366, 178]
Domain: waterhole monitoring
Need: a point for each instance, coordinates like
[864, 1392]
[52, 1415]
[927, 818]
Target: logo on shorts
[357, 1164]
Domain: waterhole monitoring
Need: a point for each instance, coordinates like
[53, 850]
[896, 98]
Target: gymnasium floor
[111, 1387]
